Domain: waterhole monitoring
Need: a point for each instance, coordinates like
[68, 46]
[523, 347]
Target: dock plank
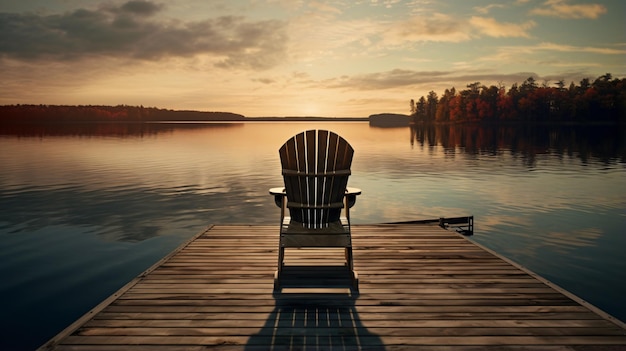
[421, 288]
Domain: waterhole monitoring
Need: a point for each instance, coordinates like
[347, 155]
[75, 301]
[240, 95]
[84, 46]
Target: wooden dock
[421, 288]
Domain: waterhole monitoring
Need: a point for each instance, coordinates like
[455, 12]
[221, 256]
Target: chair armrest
[278, 191]
[279, 195]
[353, 191]
[281, 191]
[351, 194]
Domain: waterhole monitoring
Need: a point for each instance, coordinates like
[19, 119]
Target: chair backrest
[316, 167]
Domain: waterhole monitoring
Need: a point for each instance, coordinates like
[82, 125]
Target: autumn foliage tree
[601, 100]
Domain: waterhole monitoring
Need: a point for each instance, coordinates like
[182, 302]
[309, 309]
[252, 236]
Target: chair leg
[279, 269]
[276, 282]
[350, 265]
[349, 261]
[281, 258]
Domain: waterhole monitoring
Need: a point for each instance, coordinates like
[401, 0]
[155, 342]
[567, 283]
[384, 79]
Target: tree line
[601, 100]
[91, 113]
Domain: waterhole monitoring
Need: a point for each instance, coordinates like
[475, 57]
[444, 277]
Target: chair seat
[295, 234]
[294, 227]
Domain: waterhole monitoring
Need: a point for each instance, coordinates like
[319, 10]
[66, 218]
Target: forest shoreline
[56, 115]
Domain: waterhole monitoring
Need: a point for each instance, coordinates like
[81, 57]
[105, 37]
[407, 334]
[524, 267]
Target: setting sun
[310, 109]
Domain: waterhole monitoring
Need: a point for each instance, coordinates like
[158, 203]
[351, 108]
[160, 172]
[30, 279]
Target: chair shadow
[320, 321]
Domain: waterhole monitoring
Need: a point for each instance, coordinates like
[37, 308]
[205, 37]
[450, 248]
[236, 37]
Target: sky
[295, 57]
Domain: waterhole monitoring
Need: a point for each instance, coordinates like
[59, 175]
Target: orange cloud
[561, 9]
[436, 28]
[493, 28]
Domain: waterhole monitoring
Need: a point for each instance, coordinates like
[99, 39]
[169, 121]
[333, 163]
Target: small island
[389, 120]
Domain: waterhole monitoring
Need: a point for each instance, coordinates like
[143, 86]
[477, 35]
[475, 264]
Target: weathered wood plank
[343, 347]
[424, 323]
[399, 317]
[486, 301]
[421, 288]
[298, 341]
[362, 309]
[305, 328]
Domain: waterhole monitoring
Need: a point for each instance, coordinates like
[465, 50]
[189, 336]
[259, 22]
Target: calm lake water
[84, 209]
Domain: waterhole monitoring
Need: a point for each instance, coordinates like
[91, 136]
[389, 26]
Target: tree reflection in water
[605, 142]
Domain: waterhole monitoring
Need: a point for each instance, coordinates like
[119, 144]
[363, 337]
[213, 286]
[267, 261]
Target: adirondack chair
[315, 168]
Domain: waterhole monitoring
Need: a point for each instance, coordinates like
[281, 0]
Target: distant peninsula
[93, 113]
[135, 114]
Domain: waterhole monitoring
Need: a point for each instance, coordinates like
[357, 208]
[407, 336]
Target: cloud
[386, 3]
[588, 49]
[486, 9]
[510, 53]
[128, 31]
[438, 81]
[395, 78]
[323, 7]
[437, 27]
[493, 28]
[142, 8]
[561, 9]
[265, 81]
[444, 28]
[551, 56]
[316, 38]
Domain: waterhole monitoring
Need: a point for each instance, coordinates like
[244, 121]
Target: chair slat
[322, 155]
